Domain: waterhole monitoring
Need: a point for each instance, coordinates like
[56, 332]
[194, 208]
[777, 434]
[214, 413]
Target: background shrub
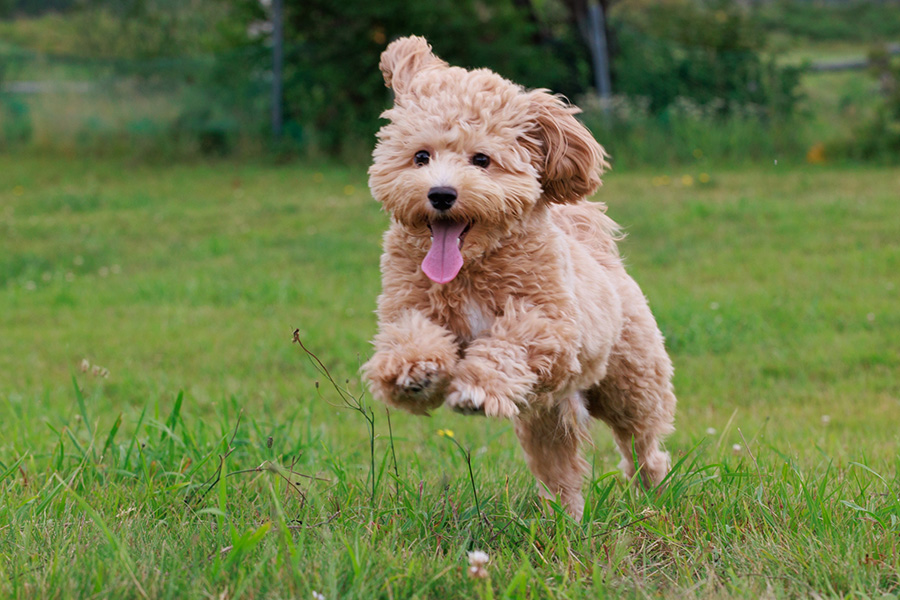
[708, 52]
[878, 138]
[334, 91]
[15, 118]
[171, 78]
[859, 20]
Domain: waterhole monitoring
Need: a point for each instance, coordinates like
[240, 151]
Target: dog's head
[468, 156]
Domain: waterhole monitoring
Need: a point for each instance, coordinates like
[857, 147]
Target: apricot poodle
[503, 290]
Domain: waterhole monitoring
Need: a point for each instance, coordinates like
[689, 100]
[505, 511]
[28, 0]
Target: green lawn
[776, 287]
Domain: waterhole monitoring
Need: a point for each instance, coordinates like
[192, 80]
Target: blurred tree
[582, 16]
[710, 52]
[12, 8]
[859, 20]
[334, 90]
[145, 29]
[879, 136]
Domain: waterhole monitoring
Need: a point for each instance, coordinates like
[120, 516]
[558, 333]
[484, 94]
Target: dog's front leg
[525, 350]
[412, 362]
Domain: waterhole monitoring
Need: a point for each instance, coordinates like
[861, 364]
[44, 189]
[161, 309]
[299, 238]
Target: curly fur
[541, 324]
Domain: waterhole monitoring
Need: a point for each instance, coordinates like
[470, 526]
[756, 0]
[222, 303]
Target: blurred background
[661, 83]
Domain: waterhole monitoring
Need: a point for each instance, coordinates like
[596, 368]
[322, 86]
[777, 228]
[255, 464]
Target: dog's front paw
[482, 386]
[419, 377]
[416, 386]
[474, 400]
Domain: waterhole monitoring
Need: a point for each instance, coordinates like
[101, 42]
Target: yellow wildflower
[816, 154]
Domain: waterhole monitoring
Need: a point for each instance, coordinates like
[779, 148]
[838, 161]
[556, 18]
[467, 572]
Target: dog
[503, 292]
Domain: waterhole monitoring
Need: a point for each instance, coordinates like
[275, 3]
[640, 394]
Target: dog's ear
[567, 156]
[405, 57]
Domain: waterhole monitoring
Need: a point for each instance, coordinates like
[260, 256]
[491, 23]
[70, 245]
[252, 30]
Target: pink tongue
[444, 260]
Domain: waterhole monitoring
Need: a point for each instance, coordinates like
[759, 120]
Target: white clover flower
[478, 559]
[711, 431]
[317, 596]
[736, 448]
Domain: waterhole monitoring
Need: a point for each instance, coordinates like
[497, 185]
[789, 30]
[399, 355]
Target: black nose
[442, 198]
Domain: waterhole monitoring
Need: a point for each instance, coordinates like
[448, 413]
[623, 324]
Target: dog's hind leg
[637, 401]
[638, 427]
[550, 437]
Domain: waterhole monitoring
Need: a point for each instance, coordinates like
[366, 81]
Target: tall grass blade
[111, 436]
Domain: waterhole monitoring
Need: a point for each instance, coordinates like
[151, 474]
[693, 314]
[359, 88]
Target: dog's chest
[467, 314]
[477, 318]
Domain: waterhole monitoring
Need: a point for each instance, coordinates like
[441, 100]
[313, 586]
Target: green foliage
[334, 91]
[34, 7]
[161, 79]
[220, 97]
[143, 29]
[16, 126]
[687, 133]
[708, 52]
[860, 20]
[224, 100]
[879, 137]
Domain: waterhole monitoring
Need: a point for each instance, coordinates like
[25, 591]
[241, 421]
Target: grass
[215, 460]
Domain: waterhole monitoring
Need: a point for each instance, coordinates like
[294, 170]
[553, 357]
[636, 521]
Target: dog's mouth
[444, 259]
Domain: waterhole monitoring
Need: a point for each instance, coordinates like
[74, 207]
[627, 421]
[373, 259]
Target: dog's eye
[481, 160]
[421, 158]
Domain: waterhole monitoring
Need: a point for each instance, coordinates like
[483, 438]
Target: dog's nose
[442, 198]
